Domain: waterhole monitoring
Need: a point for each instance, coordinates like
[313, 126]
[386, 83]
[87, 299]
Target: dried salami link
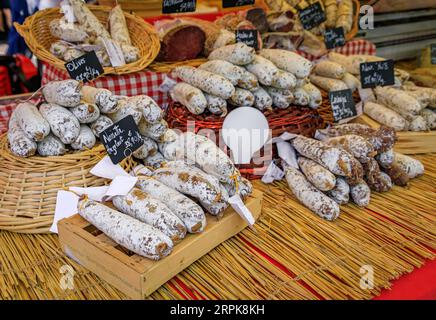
[128, 232]
[20, 144]
[206, 81]
[86, 112]
[319, 176]
[85, 140]
[101, 124]
[63, 123]
[356, 145]
[154, 131]
[140, 205]
[118, 26]
[238, 53]
[148, 148]
[88, 20]
[103, 98]
[361, 194]
[262, 100]
[341, 192]
[126, 109]
[311, 197]
[376, 180]
[263, 69]
[398, 175]
[51, 146]
[151, 111]
[386, 159]
[65, 93]
[190, 97]
[413, 167]
[191, 214]
[336, 160]
[31, 121]
[155, 161]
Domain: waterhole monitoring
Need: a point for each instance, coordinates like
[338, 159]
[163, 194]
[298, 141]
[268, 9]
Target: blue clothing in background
[19, 12]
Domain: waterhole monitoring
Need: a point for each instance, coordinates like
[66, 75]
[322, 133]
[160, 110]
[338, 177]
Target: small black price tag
[178, 6]
[249, 37]
[312, 16]
[121, 139]
[342, 103]
[378, 73]
[237, 3]
[85, 68]
[433, 53]
[334, 38]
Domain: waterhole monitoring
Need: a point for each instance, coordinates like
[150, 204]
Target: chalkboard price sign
[237, 3]
[433, 53]
[121, 139]
[378, 73]
[312, 16]
[178, 6]
[334, 38]
[342, 103]
[249, 37]
[85, 68]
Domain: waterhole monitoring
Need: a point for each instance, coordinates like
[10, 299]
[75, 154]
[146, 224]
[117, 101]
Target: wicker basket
[35, 31]
[294, 120]
[29, 185]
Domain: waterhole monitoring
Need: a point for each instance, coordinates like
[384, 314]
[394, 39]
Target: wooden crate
[408, 142]
[134, 275]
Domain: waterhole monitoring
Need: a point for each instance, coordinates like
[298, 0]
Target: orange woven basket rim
[29, 29]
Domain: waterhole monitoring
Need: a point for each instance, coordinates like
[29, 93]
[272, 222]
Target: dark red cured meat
[182, 43]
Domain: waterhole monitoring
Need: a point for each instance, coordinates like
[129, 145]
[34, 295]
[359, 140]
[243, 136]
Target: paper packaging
[106, 169]
[272, 173]
[66, 206]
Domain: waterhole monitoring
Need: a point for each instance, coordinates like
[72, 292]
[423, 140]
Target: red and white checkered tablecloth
[132, 84]
[358, 46]
[5, 114]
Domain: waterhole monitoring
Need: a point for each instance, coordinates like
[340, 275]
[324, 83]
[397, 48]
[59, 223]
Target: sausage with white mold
[63, 123]
[288, 61]
[126, 109]
[242, 98]
[356, 145]
[20, 144]
[190, 97]
[216, 105]
[66, 93]
[328, 84]
[262, 100]
[206, 81]
[385, 159]
[142, 206]
[86, 112]
[69, 32]
[413, 167]
[316, 174]
[341, 192]
[302, 98]
[263, 69]
[314, 94]
[283, 80]
[151, 111]
[360, 194]
[85, 140]
[385, 115]
[148, 148]
[238, 53]
[102, 123]
[51, 146]
[281, 98]
[128, 232]
[103, 98]
[31, 121]
[154, 131]
[310, 196]
[191, 214]
[329, 69]
[155, 161]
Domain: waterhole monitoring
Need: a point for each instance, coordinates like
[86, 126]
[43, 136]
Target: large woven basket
[297, 120]
[36, 32]
[28, 186]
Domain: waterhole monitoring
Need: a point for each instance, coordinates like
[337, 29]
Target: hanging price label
[378, 73]
[342, 103]
[85, 68]
[237, 3]
[334, 38]
[312, 16]
[249, 37]
[121, 139]
[178, 6]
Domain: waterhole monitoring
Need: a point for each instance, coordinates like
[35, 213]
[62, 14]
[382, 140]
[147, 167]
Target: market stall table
[293, 254]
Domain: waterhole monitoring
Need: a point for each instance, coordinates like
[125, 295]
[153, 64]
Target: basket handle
[22, 29]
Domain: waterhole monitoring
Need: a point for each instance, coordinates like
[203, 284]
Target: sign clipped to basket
[85, 68]
[178, 6]
[237, 3]
[249, 37]
[312, 16]
[433, 53]
[378, 73]
[121, 139]
[342, 103]
[334, 38]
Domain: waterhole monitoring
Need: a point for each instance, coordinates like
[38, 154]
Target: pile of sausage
[75, 115]
[170, 200]
[346, 161]
[87, 33]
[235, 74]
